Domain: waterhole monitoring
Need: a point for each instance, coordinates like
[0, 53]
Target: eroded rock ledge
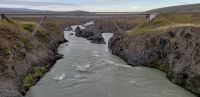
[175, 51]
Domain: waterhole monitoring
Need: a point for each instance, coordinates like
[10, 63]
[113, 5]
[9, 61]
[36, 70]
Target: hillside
[2, 10]
[181, 8]
[25, 58]
[165, 21]
[24, 10]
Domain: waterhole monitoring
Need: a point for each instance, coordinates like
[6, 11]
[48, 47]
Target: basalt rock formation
[94, 37]
[175, 51]
[97, 38]
[83, 33]
[71, 34]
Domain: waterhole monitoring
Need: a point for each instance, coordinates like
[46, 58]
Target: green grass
[165, 21]
[15, 35]
[11, 36]
[34, 76]
[30, 26]
[42, 36]
[4, 51]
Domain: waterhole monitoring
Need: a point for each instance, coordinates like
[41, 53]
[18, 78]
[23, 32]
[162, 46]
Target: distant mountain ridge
[178, 9]
[24, 10]
[81, 11]
[18, 10]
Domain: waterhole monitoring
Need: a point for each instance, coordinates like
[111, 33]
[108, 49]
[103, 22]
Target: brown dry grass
[64, 22]
[12, 35]
[166, 21]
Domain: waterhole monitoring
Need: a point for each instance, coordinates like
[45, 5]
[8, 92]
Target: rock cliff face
[83, 33]
[93, 36]
[20, 52]
[175, 51]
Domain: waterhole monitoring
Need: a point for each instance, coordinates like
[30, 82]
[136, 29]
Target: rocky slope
[21, 54]
[18, 10]
[175, 51]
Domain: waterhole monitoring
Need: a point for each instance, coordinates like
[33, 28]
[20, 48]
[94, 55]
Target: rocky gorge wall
[24, 58]
[21, 54]
[175, 51]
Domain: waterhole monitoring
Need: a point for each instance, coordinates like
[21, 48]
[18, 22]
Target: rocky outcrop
[97, 38]
[71, 34]
[19, 64]
[94, 31]
[175, 51]
[83, 33]
[21, 53]
[93, 36]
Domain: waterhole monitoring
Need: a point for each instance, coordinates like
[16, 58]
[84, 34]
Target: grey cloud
[33, 3]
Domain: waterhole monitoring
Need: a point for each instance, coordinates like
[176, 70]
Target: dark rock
[59, 56]
[83, 33]
[97, 38]
[63, 41]
[178, 50]
[78, 32]
[71, 34]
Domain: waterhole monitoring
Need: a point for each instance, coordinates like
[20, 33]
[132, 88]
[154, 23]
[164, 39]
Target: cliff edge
[24, 58]
[172, 49]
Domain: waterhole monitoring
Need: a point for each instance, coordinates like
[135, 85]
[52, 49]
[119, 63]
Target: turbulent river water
[90, 70]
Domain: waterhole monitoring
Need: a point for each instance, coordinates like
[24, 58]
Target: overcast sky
[94, 5]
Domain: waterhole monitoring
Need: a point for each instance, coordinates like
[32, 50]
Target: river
[90, 70]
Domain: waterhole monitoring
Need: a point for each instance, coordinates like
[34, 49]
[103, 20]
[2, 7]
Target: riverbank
[168, 43]
[21, 53]
[25, 58]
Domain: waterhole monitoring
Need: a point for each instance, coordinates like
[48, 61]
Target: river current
[90, 70]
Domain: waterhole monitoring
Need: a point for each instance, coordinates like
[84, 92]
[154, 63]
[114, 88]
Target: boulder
[78, 32]
[97, 38]
[59, 56]
[94, 36]
[71, 34]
